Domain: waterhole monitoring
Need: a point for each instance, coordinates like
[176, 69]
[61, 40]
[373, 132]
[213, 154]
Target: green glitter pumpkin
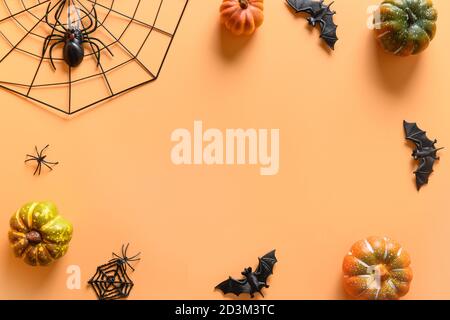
[405, 27]
[39, 234]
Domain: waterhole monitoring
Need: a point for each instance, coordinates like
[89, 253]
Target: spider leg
[50, 163]
[31, 159]
[115, 255]
[96, 53]
[51, 50]
[103, 45]
[95, 21]
[52, 25]
[130, 266]
[91, 22]
[51, 169]
[47, 41]
[58, 15]
[46, 17]
[42, 151]
[31, 156]
[37, 168]
[124, 252]
[134, 258]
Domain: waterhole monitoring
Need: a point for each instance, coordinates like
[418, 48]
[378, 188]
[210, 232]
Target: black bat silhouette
[253, 281]
[425, 152]
[319, 14]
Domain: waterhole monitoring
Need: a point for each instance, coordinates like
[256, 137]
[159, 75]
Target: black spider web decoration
[111, 281]
[138, 33]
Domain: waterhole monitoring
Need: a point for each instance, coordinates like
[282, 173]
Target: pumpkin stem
[34, 237]
[381, 272]
[243, 4]
[412, 18]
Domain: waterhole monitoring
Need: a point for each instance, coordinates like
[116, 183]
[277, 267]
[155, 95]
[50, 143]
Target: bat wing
[328, 29]
[308, 6]
[424, 171]
[265, 266]
[234, 286]
[416, 135]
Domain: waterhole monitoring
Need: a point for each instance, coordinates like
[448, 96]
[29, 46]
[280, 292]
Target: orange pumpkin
[377, 268]
[242, 17]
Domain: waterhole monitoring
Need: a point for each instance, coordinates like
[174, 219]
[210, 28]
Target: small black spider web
[25, 88]
[111, 281]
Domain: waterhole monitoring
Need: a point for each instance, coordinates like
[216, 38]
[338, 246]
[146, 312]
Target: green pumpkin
[405, 27]
[38, 234]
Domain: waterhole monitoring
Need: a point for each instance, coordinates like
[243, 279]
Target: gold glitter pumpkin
[38, 234]
[377, 268]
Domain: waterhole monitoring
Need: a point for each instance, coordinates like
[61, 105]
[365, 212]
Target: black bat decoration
[321, 14]
[253, 281]
[425, 152]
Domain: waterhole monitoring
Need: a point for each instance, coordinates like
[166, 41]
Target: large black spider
[111, 280]
[72, 37]
[40, 159]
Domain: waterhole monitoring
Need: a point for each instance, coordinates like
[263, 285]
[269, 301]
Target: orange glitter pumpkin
[242, 17]
[377, 268]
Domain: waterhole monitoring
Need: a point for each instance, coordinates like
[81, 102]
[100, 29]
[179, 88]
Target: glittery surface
[43, 217]
[405, 27]
[377, 268]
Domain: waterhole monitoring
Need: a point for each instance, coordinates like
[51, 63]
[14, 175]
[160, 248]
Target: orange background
[345, 169]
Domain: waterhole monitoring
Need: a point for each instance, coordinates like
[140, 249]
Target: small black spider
[40, 159]
[124, 260]
[73, 37]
